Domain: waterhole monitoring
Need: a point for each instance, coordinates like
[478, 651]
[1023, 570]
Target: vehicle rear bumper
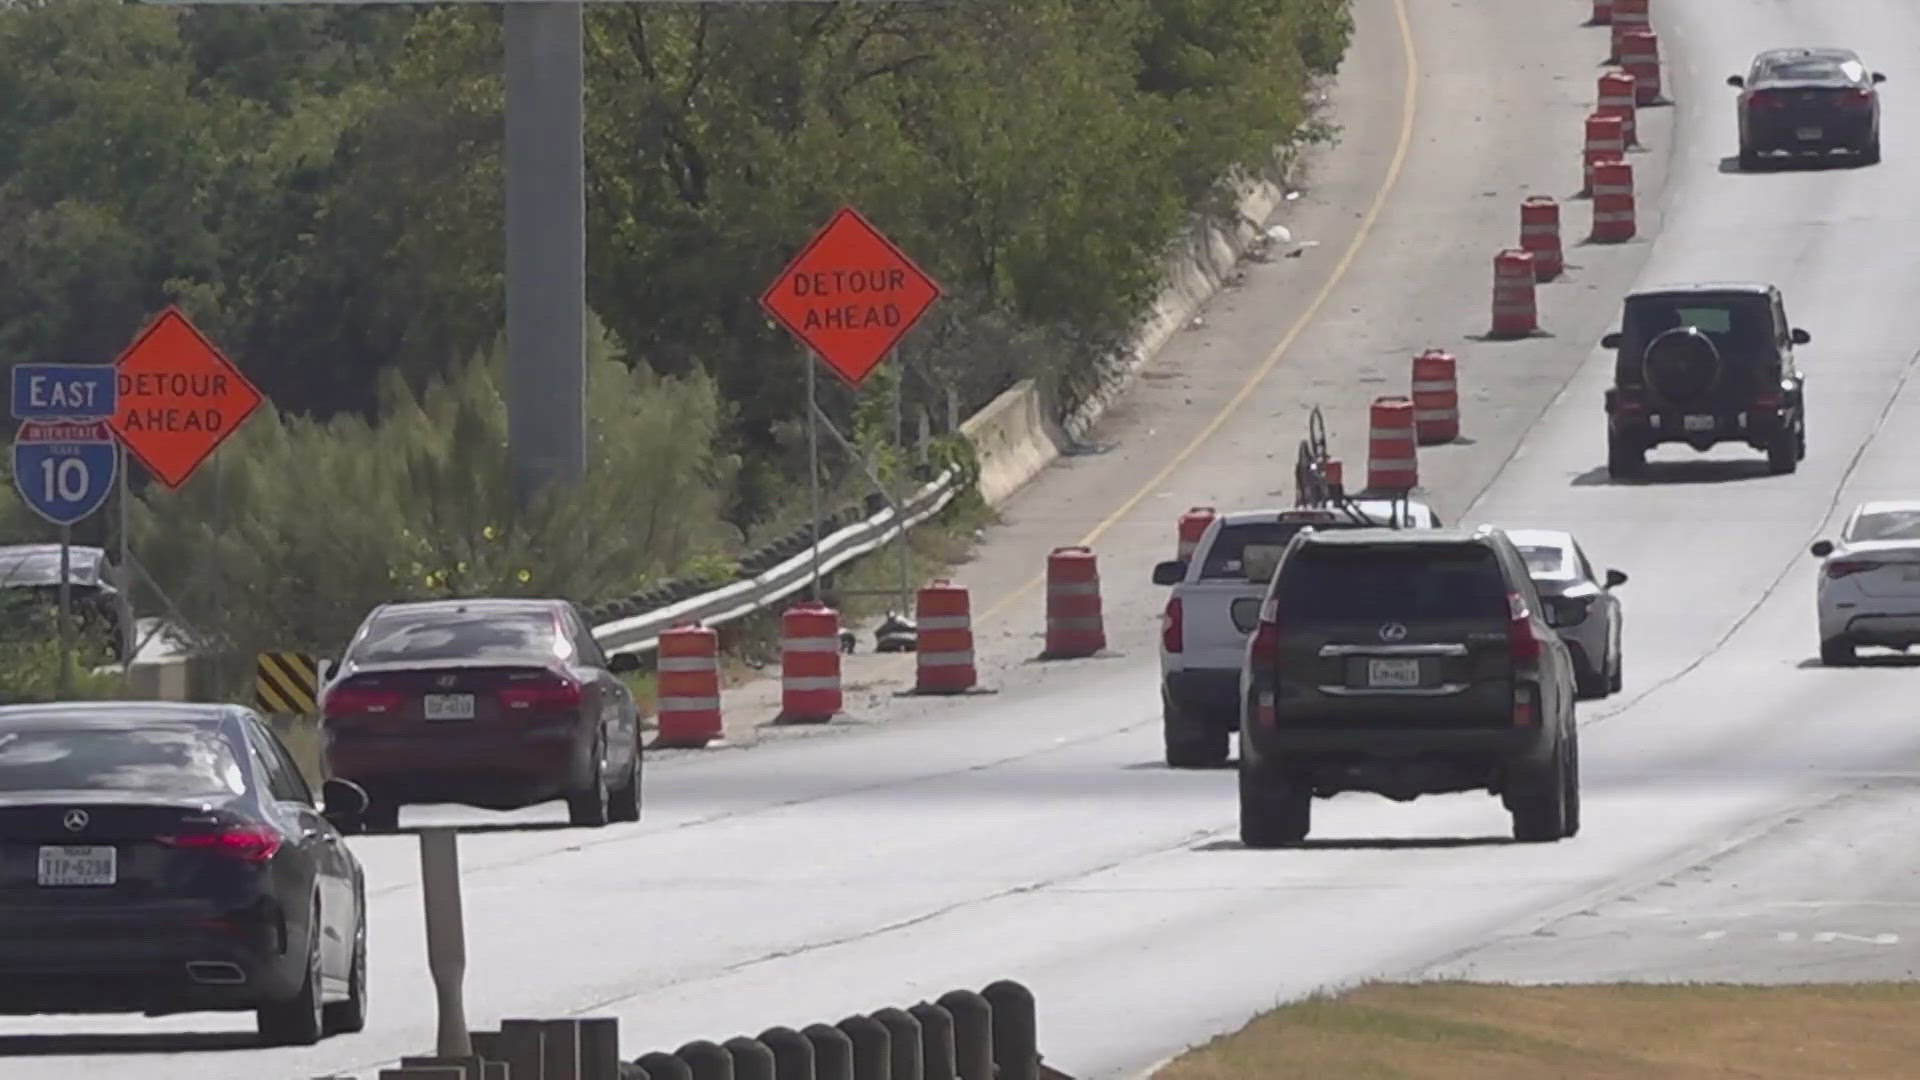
[1653, 428]
[1399, 763]
[1782, 134]
[1897, 625]
[97, 963]
[1210, 693]
[441, 766]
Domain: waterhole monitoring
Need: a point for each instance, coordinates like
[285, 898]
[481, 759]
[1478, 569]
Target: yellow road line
[1409, 100]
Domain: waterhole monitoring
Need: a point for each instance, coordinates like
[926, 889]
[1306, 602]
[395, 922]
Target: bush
[296, 527]
[30, 656]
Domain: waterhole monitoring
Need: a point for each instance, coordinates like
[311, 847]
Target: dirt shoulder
[1470, 1031]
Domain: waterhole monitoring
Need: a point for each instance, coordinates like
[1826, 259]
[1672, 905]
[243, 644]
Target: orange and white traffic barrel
[689, 686]
[1193, 525]
[1514, 310]
[1540, 236]
[1613, 220]
[1640, 56]
[1436, 398]
[1602, 13]
[943, 615]
[809, 663]
[1631, 14]
[1335, 475]
[1393, 455]
[1616, 98]
[1606, 139]
[1075, 627]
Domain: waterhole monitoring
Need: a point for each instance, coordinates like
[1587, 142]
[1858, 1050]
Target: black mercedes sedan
[163, 858]
[1808, 101]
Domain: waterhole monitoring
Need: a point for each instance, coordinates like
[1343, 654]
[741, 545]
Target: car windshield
[1338, 584]
[1886, 525]
[42, 567]
[458, 635]
[1544, 559]
[184, 760]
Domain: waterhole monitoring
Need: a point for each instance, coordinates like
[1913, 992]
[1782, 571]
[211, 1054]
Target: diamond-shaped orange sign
[178, 398]
[850, 295]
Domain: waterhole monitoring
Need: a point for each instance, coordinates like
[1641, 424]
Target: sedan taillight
[1840, 568]
[545, 693]
[248, 843]
[348, 699]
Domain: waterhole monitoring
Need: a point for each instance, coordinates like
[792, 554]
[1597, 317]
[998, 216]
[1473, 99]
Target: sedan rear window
[459, 636]
[1887, 525]
[1338, 584]
[1543, 560]
[168, 760]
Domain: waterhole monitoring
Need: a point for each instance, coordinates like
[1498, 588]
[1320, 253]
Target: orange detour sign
[178, 398]
[850, 295]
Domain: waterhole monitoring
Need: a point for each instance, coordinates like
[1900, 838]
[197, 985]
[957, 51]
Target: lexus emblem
[74, 820]
[1393, 631]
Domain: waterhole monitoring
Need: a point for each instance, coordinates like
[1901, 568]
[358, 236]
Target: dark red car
[499, 704]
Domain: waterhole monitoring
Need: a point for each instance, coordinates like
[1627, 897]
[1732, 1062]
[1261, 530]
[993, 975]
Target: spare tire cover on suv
[1682, 365]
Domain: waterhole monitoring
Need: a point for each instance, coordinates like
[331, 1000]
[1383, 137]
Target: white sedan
[1869, 591]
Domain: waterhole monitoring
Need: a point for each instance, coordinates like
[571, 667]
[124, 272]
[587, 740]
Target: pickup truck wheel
[1539, 806]
[1273, 812]
[1192, 742]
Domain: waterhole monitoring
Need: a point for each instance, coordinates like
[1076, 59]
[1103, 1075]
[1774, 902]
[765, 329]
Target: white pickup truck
[1216, 601]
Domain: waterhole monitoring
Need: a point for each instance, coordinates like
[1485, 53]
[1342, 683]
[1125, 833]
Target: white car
[1869, 589]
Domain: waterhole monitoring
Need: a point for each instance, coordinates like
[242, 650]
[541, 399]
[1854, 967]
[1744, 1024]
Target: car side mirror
[1610, 341]
[1800, 337]
[1735, 80]
[1821, 548]
[342, 803]
[1616, 578]
[1878, 78]
[623, 663]
[1171, 572]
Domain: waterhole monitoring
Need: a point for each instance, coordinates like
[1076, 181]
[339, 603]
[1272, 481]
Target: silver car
[1587, 613]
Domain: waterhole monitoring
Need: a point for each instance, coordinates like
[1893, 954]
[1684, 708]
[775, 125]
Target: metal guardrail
[641, 633]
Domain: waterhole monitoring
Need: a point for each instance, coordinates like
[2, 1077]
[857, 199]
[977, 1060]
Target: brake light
[1263, 651]
[250, 844]
[1628, 401]
[349, 698]
[1764, 101]
[1172, 636]
[1840, 568]
[546, 692]
[1522, 646]
[1523, 704]
[1857, 98]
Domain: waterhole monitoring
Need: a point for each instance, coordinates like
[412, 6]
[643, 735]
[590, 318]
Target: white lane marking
[1823, 937]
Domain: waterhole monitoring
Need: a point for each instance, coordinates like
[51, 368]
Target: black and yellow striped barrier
[286, 683]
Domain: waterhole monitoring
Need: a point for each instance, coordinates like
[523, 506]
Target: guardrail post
[936, 1041]
[832, 1052]
[792, 1053]
[872, 1056]
[752, 1059]
[424, 1072]
[470, 1067]
[972, 1034]
[446, 938]
[708, 1060]
[1016, 1039]
[562, 1049]
[904, 1043]
[660, 1065]
[523, 1046]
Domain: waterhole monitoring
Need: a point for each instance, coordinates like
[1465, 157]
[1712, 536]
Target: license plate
[1393, 673]
[1698, 423]
[63, 866]
[449, 706]
[1808, 132]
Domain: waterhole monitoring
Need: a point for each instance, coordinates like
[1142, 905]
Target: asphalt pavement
[1734, 788]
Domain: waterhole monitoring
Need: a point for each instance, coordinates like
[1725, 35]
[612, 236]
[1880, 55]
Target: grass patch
[1471, 1031]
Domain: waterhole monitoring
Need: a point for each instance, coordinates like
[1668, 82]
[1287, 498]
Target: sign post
[849, 296]
[64, 461]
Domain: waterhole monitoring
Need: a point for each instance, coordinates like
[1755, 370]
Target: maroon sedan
[498, 704]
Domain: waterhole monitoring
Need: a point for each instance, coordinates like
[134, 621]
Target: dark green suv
[1406, 663]
[1702, 365]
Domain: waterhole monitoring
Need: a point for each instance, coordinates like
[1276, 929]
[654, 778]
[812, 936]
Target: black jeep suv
[1703, 365]
[1406, 663]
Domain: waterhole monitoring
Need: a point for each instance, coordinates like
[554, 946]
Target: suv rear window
[1422, 581]
[1738, 324]
[167, 759]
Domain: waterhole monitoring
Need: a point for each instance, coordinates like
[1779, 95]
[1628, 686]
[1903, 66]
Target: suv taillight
[1263, 660]
[1522, 646]
[546, 692]
[1525, 704]
[1172, 635]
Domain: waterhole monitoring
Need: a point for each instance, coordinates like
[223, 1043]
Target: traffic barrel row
[1628, 17]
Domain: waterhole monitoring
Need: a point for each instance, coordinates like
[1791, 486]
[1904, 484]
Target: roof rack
[1318, 482]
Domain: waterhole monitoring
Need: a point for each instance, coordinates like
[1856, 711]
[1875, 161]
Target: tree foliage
[320, 189]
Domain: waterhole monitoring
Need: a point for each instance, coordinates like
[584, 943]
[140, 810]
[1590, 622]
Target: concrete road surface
[1032, 832]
